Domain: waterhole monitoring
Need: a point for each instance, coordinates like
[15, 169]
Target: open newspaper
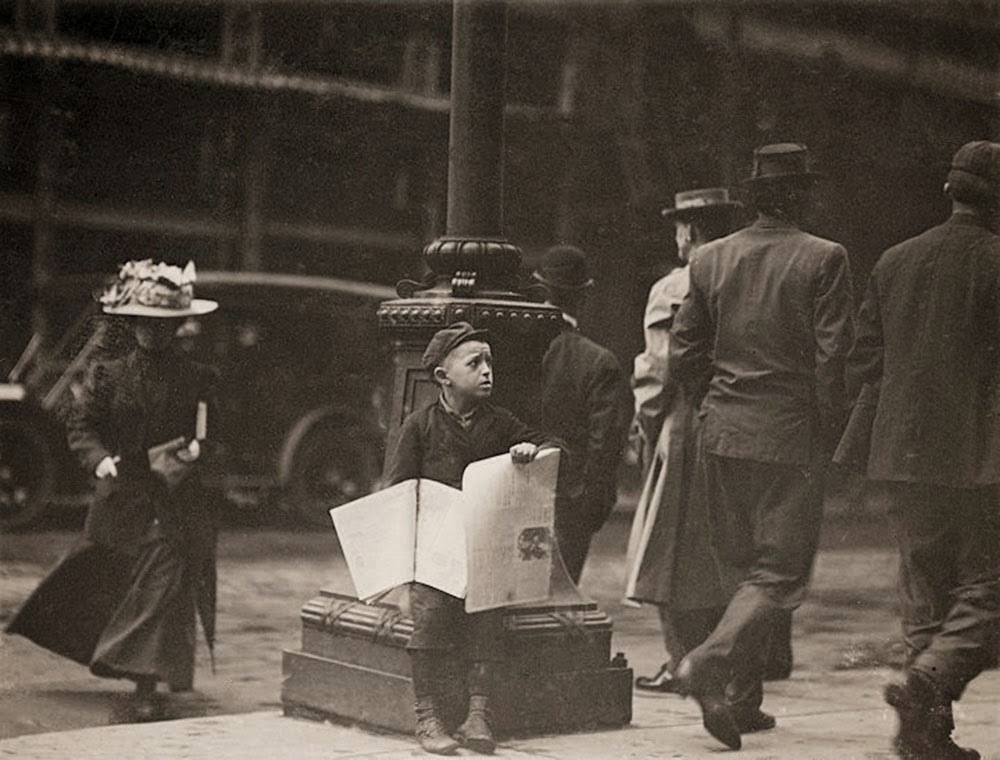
[492, 542]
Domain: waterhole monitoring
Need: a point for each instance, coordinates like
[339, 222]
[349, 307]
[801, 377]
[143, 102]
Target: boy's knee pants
[440, 622]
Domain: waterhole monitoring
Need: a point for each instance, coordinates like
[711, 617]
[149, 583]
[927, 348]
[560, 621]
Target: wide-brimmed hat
[691, 203]
[781, 162]
[145, 289]
[975, 171]
[564, 267]
[446, 340]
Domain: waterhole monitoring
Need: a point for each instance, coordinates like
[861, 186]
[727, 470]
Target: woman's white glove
[190, 453]
[107, 468]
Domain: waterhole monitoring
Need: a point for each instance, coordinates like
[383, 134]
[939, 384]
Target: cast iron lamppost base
[557, 674]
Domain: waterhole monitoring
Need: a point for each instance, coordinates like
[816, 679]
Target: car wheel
[333, 465]
[26, 475]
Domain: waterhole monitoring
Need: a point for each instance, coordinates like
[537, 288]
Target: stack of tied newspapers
[492, 542]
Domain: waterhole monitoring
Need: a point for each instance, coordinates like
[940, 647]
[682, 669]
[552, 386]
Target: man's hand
[635, 450]
[522, 453]
[106, 468]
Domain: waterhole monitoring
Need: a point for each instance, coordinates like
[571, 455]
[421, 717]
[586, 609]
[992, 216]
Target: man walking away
[586, 403]
[766, 326]
[928, 344]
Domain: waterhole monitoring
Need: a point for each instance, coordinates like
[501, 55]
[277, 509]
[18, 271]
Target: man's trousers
[765, 524]
[949, 578]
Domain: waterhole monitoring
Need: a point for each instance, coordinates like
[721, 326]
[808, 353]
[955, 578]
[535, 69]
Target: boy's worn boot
[476, 732]
[431, 732]
[925, 722]
[428, 667]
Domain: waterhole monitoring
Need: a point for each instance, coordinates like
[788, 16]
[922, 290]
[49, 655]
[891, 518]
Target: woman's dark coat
[123, 600]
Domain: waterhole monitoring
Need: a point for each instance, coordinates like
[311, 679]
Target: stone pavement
[823, 711]
[837, 717]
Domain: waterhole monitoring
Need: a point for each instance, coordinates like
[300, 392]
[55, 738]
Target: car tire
[334, 463]
[27, 474]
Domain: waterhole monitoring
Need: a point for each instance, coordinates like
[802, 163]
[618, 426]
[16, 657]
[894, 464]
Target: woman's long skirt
[124, 615]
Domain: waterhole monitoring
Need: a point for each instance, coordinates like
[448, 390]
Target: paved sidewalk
[837, 717]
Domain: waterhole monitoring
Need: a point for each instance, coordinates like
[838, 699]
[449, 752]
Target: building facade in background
[311, 137]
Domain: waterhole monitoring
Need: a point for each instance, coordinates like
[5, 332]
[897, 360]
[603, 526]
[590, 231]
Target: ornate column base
[558, 675]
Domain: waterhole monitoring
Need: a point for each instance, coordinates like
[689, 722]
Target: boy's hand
[522, 453]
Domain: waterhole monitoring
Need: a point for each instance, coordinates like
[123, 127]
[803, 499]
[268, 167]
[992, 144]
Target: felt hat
[690, 203]
[781, 162]
[975, 172]
[447, 339]
[145, 289]
[564, 267]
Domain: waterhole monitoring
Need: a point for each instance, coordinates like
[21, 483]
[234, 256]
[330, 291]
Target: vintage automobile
[302, 379]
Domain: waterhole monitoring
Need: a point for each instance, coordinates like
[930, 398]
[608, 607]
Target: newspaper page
[440, 547]
[510, 530]
[377, 534]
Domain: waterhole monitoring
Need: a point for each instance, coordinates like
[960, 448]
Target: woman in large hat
[124, 600]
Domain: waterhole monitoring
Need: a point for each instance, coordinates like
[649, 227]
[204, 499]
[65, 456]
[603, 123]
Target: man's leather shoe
[754, 720]
[663, 682]
[716, 714]
[925, 723]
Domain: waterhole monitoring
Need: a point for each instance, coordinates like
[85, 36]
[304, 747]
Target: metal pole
[478, 85]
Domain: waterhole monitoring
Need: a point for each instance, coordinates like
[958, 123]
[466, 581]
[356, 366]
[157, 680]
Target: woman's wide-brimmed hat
[564, 267]
[690, 203]
[145, 289]
[781, 162]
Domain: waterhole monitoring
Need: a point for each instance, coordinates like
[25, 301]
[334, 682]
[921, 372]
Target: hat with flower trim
[145, 289]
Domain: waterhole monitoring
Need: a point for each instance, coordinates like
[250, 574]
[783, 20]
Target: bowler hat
[145, 289]
[690, 203]
[564, 267]
[448, 338]
[975, 171]
[781, 162]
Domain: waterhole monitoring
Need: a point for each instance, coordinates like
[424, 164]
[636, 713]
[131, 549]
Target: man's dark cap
[445, 340]
[781, 162]
[975, 172]
[564, 267]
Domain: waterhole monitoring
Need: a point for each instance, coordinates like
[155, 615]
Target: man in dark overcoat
[763, 333]
[928, 343]
[586, 402]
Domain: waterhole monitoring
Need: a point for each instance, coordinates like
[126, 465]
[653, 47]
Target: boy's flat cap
[446, 339]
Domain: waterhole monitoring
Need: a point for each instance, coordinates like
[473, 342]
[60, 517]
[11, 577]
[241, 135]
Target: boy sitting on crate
[438, 442]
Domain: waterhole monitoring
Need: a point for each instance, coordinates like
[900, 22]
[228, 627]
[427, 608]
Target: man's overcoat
[674, 562]
[586, 403]
[929, 338]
